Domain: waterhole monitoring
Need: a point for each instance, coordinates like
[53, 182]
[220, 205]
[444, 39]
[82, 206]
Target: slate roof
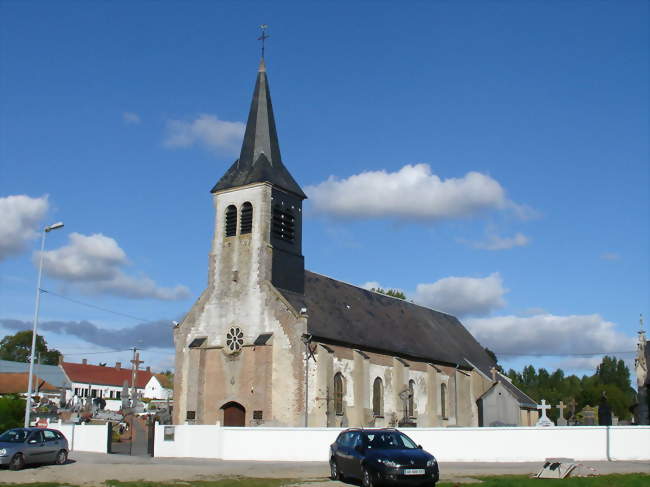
[53, 374]
[107, 376]
[260, 160]
[342, 313]
[17, 382]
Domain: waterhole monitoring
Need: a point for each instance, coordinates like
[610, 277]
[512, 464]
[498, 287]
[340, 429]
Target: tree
[612, 377]
[493, 356]
[395, 293]
[18, 348]
[12, 412]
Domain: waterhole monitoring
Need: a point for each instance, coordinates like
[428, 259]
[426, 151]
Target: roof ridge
[382, 294]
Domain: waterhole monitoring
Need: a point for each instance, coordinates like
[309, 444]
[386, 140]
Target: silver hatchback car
[20, 446]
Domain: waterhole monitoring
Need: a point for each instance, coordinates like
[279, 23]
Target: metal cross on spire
[263, 37]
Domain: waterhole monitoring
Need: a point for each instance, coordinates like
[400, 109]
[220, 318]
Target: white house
[99, 381]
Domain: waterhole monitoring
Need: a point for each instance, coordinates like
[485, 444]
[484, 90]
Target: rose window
[234, 339]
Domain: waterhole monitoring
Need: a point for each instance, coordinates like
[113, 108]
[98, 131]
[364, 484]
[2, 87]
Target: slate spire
[260, 160]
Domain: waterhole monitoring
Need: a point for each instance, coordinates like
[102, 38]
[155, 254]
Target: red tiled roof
[16, 383]
[108, 376]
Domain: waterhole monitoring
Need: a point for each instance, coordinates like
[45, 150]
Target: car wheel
[367, 478]
[335, 473]
[61, 457]
[17, 462]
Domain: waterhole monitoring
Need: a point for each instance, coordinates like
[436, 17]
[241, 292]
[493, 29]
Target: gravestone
[560, 420]
[588, 416]
[573, 420]
[543, 420]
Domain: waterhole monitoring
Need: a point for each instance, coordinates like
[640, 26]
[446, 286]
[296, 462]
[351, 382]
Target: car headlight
[3, 452]
[389, 463]
[432, 462]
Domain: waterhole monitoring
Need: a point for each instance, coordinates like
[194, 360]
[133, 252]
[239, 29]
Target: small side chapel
[270, 343]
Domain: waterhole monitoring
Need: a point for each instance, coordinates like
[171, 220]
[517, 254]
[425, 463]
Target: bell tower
[258, 204]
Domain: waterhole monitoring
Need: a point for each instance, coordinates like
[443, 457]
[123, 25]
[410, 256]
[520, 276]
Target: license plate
[413, 471]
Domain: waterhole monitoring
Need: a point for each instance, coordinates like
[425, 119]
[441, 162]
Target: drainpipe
[456, 393]
[607, 443]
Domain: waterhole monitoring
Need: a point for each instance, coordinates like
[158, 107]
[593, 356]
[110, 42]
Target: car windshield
[14, 436]
[390, 440]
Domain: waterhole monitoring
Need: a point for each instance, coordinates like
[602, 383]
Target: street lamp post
[28, 404]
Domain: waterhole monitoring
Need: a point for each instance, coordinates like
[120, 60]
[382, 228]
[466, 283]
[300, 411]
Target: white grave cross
[543, 420]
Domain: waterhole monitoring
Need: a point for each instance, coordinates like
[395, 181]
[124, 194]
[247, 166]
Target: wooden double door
[234, 414]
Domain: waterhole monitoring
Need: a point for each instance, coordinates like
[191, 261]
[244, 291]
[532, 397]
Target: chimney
[148, 369]
[118, 365]
[60, 359]
[84, 361]
[493, 370]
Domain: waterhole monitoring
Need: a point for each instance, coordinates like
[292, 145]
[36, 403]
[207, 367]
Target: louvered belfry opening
[284, 224]
[231, 221]
[246, 219]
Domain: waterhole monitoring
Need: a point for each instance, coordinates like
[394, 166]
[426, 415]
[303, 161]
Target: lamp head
[54, 226]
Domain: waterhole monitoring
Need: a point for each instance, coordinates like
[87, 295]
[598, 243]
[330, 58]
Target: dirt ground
[93, 469]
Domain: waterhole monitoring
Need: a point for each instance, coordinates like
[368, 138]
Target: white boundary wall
[584, 443]
[84, 437]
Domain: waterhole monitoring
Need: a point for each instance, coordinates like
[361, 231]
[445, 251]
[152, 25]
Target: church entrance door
[234, 414]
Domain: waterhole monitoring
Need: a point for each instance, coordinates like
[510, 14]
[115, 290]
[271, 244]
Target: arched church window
[443, 400]
[338, 393]
[231, 221]
[377, 397]
[246, 219]
[284, 224]
[411, 398]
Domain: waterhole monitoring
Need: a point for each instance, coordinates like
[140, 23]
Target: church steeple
[260, 159]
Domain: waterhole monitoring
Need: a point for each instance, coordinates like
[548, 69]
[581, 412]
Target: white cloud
[462, 296]
[549, 334]
[206, 130]
[610, 256]
[94, 264]
[412, 193]
[21, 216]
[370, 285]
[131, 118]
[496, 242]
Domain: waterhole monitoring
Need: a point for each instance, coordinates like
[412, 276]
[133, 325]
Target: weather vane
[263, 37]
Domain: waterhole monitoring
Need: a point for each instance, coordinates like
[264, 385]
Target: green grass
[628, 480]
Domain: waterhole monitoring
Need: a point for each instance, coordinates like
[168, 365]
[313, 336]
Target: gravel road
[92, 469]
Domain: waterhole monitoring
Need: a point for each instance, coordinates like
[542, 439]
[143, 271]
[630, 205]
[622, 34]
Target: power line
[94, 353]
[561, 354]
[95, 306]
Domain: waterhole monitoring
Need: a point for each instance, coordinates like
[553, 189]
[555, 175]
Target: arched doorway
[234, 414]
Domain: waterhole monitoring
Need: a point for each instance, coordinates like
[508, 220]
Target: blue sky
[488, 158]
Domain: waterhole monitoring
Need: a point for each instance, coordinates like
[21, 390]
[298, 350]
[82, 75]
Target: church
[269, 343]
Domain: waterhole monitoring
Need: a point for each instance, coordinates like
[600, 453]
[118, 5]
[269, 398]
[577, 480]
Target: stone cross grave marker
[543, 420]
[560, 420]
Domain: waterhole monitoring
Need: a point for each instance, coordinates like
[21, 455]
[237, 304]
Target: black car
[381, 457]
